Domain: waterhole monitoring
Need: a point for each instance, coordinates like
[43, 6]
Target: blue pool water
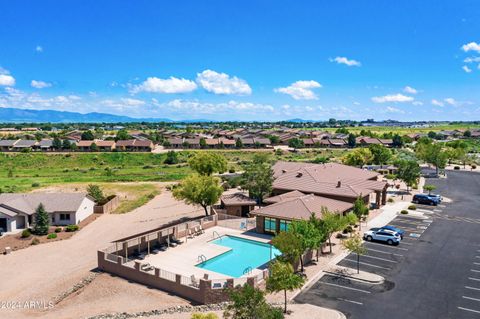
[244, 253]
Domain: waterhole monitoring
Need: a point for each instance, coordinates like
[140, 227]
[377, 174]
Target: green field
[26, 171]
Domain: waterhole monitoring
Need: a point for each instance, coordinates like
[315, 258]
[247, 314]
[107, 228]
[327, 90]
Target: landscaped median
[352, 274]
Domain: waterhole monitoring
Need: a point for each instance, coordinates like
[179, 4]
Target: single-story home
[17, 210]
[294, 205]
[237, 204]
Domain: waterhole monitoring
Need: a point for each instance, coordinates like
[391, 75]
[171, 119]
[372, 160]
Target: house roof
[53, 202]
[8, 143]
[25, 143]
[302, 207]
[211, 141]
[45, 143]
[226, 141]
[124, 143]
[283, 197]
[237, 199]
[101, 143]
[84, 143]
[326, 179]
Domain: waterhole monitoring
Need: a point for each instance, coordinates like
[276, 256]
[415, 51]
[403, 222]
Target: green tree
[248, 302]
[355, 245]
[200, 190]
[397, 141]
[73, 146]
[358, 157]
[360, 209]
[56, 143]
[94, 147]
[88, 136]
[42, 221]
[172, 158]
[467, 133]
[429, 188]
[381, 154]
[283, 278]
[436, 156]
[352, 141]
[66, 145]
[408, 171]
[322, 233]
[290, 244]
[351, 219]
[207, 163]
[295, 143]
[310, 236]
[257, 178]
[238, 143]
[122, 135]
[203, 143]
[332, 222]
[96, 193]
[274, 139]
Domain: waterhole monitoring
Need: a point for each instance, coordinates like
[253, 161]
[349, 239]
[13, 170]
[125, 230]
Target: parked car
[401, 232]
[425, 199]
[436, 196]
[385, 235]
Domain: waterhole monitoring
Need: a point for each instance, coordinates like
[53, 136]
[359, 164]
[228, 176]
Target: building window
[270, 225]
[64, 216]
[284, 224]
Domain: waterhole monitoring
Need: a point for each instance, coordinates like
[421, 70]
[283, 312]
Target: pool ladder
[247, 270]
[201, 258]
[215, 232]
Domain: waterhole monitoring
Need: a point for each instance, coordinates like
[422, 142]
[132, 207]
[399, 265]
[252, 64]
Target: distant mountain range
[14, 115]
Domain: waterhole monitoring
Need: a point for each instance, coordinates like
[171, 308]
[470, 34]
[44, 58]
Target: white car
[385, 235]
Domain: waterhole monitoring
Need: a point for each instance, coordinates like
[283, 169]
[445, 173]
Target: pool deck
[183, 258]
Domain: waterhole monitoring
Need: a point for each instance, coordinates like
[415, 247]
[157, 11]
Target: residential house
[105, 145]
[237, 204]
[24, 144]
[7, 145]
[17, 211]
[44, 145]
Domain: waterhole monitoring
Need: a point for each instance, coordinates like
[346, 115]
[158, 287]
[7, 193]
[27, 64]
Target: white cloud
[40, 84]
[410, 90]
[472, 46]
[417, 103]
[391, 109]
[396, 98]
[222, 83]
[198, 107]
[7, 80]
[472, 59]
[437, 102]
[169, 86]
[301, 90]
[346, 61]
[466, 69]
[38, 48]
[451, 101]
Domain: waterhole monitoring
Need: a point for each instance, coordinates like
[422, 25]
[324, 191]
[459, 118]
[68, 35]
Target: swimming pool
[244, 254]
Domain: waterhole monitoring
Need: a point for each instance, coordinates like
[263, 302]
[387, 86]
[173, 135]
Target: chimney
[339, 183]
[284, 171]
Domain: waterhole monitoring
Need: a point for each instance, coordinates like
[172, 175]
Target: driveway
[435, 275]
[42, 272]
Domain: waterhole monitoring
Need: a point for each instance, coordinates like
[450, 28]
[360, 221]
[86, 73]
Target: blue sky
[244, 60]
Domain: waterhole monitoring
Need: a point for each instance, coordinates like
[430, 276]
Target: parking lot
[381, 259]
[433, 273]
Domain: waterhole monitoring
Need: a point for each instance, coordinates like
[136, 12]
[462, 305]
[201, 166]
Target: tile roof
[7, 143]
[237, 199]
[302, 207]
[53, 202]
[25, 143]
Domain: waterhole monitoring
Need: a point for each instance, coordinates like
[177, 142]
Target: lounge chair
[200, 229]
[163, 247]
[190, 233]
[144, 266]
[175, 240]
[194, 281]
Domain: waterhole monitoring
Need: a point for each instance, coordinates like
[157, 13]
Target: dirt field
[43, 272]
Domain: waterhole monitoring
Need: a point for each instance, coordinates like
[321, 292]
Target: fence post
[157, 272]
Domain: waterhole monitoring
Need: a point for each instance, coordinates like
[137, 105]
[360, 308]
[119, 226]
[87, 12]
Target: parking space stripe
[384, 252]
[472, 288]
[371, 265]
[344, 287]
[383, 245]
[474, 270]
[475, 279]
[466, 309]
[352, 301]
[470, 298]
[384, 259]
[476, 263]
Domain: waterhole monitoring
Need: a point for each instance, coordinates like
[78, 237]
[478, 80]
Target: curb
[376, 282]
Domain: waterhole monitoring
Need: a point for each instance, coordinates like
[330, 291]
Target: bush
[58, 229]
[35, 241]
[391, 200]
[231, 170]
[456, 167]
[71, 228]
[348, 229]
[404, 212]
[339, 236]
[35, 184]
[52, 236]
[26, 233]
[474, 166]
[412, 207]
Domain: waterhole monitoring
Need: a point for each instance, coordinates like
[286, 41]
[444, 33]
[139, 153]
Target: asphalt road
[433, 273]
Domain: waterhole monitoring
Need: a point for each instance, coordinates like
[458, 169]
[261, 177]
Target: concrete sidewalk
[352, 273]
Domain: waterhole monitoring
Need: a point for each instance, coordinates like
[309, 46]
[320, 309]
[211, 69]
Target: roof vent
[284, 171]
[299, 174]
[339, 183]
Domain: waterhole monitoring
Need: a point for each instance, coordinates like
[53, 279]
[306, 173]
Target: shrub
[474, 166]
[456, 167]
[391, 200]
[348, 229]
[71, 228]
[231, 170]
[404, 212]
[35, 184]
[52, 236]
[26, 233]
[35, 241]
[412, 207]
[339, 236]
[58, 229]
